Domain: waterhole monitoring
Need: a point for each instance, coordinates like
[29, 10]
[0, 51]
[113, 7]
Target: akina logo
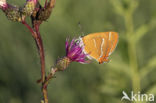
[137, 97]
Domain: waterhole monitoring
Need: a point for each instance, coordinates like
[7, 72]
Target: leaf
[133, 5]
[152, 90]
[148, 68]
[140, 32]
[118, 6]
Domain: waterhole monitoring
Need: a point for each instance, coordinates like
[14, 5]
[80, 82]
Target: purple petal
[74, 51]
[3, 4]
[35, 1]
[67, 46]
[71, 44]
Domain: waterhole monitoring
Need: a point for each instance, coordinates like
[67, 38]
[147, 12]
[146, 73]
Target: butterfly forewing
[100, 45]
[91, 47]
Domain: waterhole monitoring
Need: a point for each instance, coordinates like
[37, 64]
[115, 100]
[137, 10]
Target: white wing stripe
[109, 35]
[103, 41]
[94, 42]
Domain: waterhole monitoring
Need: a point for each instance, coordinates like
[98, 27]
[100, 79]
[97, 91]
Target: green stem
[132, 53]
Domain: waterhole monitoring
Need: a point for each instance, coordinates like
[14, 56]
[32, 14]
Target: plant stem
[42, 58]
[132, 53]
[45, 94]
[30, 29]
[45, 4]
[41, 52]
[36, 35]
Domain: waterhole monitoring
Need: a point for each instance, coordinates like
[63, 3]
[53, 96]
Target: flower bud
[45, 12]
[13, 13]
[29, 7]
[62, 63]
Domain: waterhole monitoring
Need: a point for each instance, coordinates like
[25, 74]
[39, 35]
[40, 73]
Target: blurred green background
[132, 66]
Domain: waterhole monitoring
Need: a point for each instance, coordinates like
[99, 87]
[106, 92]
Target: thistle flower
[3, 4]
[74, 53]
[35, 1]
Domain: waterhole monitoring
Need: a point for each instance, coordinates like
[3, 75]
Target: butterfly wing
[91, 45]
[111, 40]
[100, 45]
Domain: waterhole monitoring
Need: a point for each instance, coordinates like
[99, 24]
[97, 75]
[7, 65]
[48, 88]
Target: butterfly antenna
[81, 29]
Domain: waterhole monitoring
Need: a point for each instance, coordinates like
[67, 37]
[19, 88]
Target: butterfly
[100, 46]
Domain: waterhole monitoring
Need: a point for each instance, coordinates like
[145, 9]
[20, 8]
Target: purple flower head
[74, 51]
[3, 4]
[35, 1]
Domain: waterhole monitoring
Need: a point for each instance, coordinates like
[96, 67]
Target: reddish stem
[36, 35]
[51, 75]
[41, 52]
[41, 49]
[30, 29]
[45, 4]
